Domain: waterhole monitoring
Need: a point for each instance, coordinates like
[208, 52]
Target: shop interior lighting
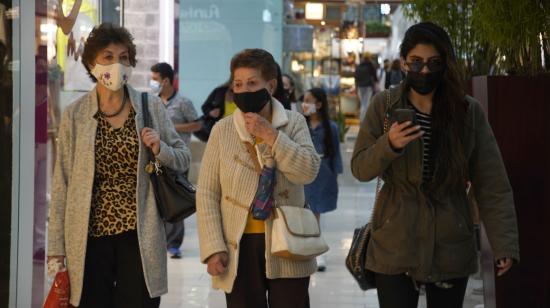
[266, 16]
[315, 11]
[385, 9]
[323, 23]
[295, 66]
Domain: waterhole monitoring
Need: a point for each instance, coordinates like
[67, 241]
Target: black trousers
[252, 289]
[398, 291]
[113, 275]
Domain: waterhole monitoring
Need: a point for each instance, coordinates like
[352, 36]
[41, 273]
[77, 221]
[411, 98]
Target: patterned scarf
[263, 200]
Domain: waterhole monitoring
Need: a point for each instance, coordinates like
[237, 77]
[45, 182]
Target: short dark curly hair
[255, 58]
[100, 37]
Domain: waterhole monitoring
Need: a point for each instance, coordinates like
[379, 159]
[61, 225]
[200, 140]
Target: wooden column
[518, 109]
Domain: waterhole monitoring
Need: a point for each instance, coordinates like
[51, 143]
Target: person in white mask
[185, 119]
[103, 221]
[322, 193]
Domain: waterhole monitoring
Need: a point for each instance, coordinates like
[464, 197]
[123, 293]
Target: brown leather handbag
[174, 194]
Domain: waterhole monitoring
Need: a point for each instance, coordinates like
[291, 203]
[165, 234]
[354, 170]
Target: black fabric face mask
[424, 83]
[252, 101]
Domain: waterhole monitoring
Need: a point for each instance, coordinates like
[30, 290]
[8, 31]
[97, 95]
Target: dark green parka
[431, 236]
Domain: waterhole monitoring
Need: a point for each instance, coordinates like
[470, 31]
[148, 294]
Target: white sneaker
[321, 263]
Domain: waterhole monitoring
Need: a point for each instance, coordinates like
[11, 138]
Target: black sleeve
[215, 99]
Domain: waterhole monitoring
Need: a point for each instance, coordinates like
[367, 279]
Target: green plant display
[492, 36]
[515, 30]
[340, 120]
[456, 18]
[375, 27]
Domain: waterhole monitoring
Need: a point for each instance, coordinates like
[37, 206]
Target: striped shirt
[425, 122]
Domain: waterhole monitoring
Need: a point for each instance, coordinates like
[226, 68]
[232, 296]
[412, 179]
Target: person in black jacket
[395, 75]
[214, 109]
[365, 79]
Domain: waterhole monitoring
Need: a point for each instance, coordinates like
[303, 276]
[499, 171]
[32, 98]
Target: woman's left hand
[258, 126]
[504, 265]
[151, 139]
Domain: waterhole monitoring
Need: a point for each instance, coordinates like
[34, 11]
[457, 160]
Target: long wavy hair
[321, 96]
[449, 107]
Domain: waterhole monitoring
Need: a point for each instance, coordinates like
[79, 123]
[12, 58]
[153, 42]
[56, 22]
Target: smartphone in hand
[403, 115]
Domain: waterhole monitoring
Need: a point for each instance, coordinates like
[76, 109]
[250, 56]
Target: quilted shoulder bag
[355, 260]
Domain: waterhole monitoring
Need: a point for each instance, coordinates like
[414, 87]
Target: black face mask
[424, 83]
[252, 101]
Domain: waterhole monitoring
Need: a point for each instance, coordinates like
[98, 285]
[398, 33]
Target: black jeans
[252, 289]
[113, 275]
[398, 291]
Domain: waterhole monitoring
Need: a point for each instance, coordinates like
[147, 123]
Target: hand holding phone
[403, 129]
[403, 115]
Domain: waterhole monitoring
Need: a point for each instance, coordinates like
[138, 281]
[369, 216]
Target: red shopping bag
[59, 294]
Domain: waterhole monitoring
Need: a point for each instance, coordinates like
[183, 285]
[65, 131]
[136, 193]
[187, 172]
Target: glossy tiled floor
[189, 284]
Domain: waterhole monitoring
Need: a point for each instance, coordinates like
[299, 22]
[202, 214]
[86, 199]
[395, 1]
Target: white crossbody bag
[296, 234]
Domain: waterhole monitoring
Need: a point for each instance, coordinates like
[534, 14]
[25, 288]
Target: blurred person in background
[395, 75]
[365, 80]
[322, 193]
[185, 119]
[290, 90]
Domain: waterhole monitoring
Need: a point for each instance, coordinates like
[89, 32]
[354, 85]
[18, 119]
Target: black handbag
[357, 255]
[355, 261]
[174, 195]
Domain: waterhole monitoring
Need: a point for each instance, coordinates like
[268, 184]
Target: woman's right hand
[402, 134]
[217, 263]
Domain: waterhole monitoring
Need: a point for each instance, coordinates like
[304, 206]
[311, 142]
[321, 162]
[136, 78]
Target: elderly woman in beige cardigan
[235, 246]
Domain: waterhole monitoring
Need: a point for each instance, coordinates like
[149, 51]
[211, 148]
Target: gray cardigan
[73, 180]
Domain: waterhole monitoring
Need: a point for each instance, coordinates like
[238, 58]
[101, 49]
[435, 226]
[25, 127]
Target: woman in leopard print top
[103, 219]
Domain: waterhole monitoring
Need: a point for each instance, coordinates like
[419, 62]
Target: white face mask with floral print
[112, 76]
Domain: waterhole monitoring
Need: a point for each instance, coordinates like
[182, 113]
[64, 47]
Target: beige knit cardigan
[228, 182]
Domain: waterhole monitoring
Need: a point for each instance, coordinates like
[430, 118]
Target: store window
[212, 31]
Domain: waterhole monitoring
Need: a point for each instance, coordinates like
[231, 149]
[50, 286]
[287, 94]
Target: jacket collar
[397, 94]
[279, 119]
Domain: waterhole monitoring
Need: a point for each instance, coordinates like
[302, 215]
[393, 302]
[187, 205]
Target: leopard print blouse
[114, 193]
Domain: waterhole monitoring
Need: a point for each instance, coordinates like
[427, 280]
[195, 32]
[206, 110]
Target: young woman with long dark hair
[322, 193]
[422, 229]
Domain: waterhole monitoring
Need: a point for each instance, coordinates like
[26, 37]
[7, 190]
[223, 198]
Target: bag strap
[386, 128]
[146, 121]
[253, 155]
